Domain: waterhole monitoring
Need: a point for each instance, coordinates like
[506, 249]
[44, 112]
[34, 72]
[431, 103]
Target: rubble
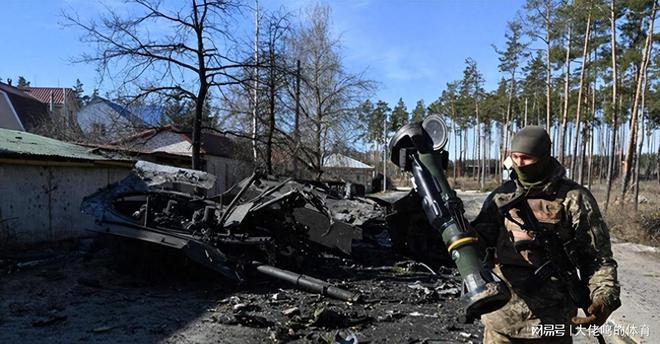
[202, 310]
[281, 222]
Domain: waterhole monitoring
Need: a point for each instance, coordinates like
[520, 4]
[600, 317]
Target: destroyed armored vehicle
[260, 222]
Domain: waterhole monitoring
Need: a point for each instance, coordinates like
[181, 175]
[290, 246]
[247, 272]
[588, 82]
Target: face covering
[534, 174]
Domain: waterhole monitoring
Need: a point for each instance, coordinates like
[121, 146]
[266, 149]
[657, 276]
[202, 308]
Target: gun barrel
[307, 282]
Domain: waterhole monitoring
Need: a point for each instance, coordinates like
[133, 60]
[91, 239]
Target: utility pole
[526, 112]
[256, 82]
[296, 129]
[385, 153]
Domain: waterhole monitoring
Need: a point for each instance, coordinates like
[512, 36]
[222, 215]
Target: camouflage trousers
[493, 337]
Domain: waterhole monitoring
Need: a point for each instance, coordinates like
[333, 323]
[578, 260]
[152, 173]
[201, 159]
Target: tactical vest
[550, 213]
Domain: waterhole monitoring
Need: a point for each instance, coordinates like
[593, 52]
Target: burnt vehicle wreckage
[264, 224]
[261, 222]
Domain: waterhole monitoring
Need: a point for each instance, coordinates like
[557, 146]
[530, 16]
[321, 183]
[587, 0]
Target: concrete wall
[42, 203]
[227, 171]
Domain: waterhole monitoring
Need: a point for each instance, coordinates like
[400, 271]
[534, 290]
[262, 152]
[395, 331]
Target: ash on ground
[153, 296]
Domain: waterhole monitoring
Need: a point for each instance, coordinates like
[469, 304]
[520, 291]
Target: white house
[103, 120]
[344, 168]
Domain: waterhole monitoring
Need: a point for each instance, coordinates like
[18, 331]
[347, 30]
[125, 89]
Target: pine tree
[533, 87]
[640, 80]
[364, 113]
[473, 83]
[541, 16]
[377, 121]
[419, 112]
[81, 99]
[22, 82]
[510, 59]
[399, 116]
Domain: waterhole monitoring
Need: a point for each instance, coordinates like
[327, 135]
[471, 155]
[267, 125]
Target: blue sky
[411, 48]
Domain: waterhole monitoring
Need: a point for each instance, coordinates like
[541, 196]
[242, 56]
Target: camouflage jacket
[560, 205]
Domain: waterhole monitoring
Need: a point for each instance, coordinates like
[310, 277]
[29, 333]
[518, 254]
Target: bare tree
[328, 94]
[278, 72]
[178, 53]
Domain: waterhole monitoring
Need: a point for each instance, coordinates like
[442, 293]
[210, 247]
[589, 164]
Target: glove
[598, 314]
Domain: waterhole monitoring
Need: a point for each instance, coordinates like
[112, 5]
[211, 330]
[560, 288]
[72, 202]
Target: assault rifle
[562, 257]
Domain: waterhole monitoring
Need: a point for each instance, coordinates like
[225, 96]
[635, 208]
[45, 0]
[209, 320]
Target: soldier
[560, 205]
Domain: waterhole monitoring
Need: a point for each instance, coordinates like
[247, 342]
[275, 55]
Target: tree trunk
[657, 164]
[460, 152]
[465, 152]
[593, 128]
[271, 114]
[641, 142]
[548, 72]
[499, 158]
[455, 152]
[201, 93]
[507, 121]
[610, 167]
[484, 158]
[583, 152]
[296, 128]
[649, 162]
[474, 153]
[578, 113]
[538, 116]
[570, 128]
[603, 150]
[564, 119]
[319, 144]
[256, 84]
[478, 143]
[634, 113]
[591, 158]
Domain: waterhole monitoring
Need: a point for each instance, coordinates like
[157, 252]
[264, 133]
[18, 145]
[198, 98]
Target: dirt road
[639, 274]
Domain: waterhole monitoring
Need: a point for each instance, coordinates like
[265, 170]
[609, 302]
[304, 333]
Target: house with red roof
[61, 101]
[42, 110]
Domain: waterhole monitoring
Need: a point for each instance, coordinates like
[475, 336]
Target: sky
[410, 48]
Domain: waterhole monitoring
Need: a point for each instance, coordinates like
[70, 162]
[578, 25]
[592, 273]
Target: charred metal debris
[260, 223]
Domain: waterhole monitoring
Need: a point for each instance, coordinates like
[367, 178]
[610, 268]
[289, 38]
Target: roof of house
[212, 144]
[30, 111]
[43, 94]
[341, 161]
[138, 114]
[19, 144]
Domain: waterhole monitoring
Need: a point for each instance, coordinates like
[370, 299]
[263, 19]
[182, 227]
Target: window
[98, 129]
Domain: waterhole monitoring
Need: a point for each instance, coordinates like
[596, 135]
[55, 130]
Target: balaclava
[535, 141]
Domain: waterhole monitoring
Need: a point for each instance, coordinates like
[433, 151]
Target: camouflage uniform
[563, 206]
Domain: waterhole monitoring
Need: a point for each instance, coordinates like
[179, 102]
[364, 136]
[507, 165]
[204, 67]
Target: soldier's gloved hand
[599, 312]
